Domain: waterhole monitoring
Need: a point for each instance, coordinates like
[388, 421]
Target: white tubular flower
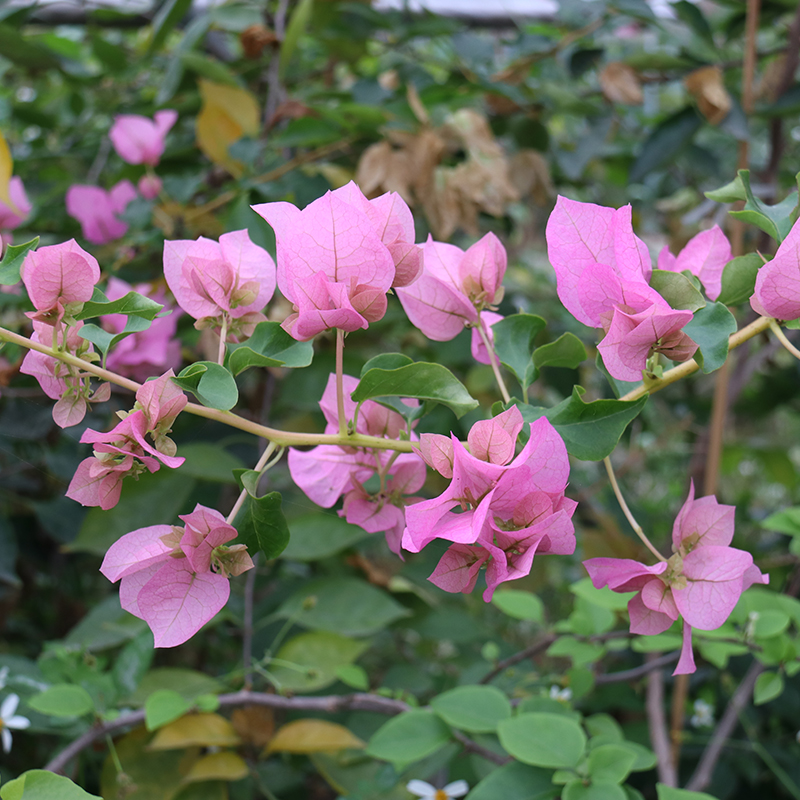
[9, 721]
[428, 792]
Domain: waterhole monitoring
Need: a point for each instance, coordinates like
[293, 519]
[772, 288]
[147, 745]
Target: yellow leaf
[207, 730]
[312, 736]
[224, 766]
[228, 114]
[6, 171]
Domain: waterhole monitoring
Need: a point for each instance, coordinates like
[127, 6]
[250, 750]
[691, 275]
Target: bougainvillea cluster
[337, 261]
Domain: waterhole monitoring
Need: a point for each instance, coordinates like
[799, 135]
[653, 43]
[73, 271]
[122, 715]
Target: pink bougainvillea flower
[176, 579]
[150, 352]
[11, 218]
[499, 511]
[233, 279]
[139, 140]
[97, 210]
[455, 290]
[602, 273]
[59, 381]
[59, 277]
[326, 472]
[338, 257]
[705, 256]
[777, 292]
[149, 186]
[125, 450]
[701, 582]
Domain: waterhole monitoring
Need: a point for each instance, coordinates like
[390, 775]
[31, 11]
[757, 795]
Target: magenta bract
[97, 210]
[139, 140]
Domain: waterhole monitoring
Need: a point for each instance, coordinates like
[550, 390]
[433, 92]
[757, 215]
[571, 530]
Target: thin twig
[480, 750]
[625, 675]
[529, 652]
[657, 722]
[275, 90]
[637, 528]
[493, 360]
[781, 337]
[705, 769]
[247, 624]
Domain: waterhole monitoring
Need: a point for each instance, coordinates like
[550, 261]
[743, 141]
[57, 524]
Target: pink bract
[11, 218]
[59, 275]
[777, 292]
[705, 256]
[149, 186]
[339, 256]
[139, 140]
[701, 582]
[97, 210]
[233, 277]
[175, 578]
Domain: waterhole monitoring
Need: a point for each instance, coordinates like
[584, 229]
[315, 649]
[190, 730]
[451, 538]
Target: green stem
[281, 438]
[493, 360]
[627, 512]
[259, 467]
[223, 335]
[781, 336]
[340, 382]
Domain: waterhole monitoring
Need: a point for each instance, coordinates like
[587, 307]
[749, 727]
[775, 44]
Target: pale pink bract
[139, 140]
[777, 291]
[13, 218]
[705, 256]
[97, 210]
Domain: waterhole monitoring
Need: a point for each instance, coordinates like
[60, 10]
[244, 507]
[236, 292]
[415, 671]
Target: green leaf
[513, 343]
[38, 784]
[408, 737]
[167, 17]
[670, 793]
[314, 659]
[420, 380]
[106, 625]
[348, 606]
[63, 700]
[103, 340]
[316, 536]
[193, 32]
[269, 346]
[739, 279]
[477, 709]
[132, 304]
[520, 605]
[786, 521]
[596, 790]
[589, 430]
[665, 143]
[353, 676]
[769, 685]
[164, 706]
[386, 361]
[188, 683]
[729, 193]
[210, 383]
[710, 328]
[262, 526]
[566, 351]
[13, 259]
[620, 388]
[776, 221]
[516, 781]
[543, 740]
[690, 14]
[301, 16]
[581, 653]
[610, 762]
[677, 290]
[605, 597]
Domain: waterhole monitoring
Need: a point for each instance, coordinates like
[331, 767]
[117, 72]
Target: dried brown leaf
[708, 89]
[620, 84]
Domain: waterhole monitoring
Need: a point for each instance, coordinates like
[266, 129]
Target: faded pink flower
[705, 256]
[149, 186]
[602, 272]
[233, 279]
[139, 140]
[97, 210]
[151, 352]
[701, 582]
[11, 218]
[457, 289]
[327, 472]
[58, 380]
[777, 292]
[125, 450]
[339, 256]
[176, 578]
[59, 278]
[499, 510]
